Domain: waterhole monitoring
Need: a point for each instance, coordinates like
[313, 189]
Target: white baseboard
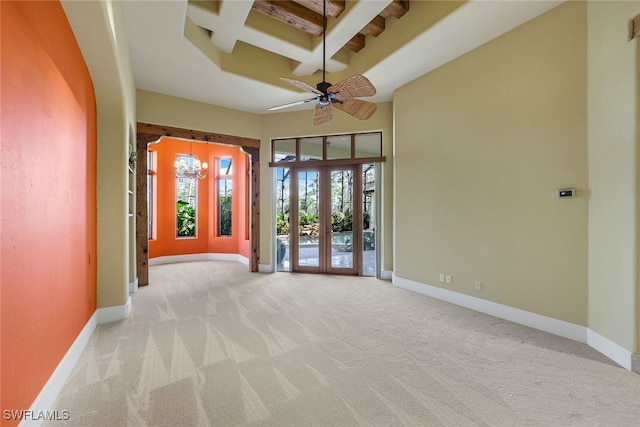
[133, 286]
[113, 314]
[265, 268]
[386, 274]
[522, 317]
[46, 398]
[170, 259]
[229, 257]
[613, 351]
[49, 393]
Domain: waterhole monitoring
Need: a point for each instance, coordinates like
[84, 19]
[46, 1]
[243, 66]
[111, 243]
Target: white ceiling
[225, 54]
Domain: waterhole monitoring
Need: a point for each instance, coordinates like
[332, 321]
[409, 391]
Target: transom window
[349, 148]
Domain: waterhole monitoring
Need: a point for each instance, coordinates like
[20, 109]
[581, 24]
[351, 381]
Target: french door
[326, 219]
[326, 203]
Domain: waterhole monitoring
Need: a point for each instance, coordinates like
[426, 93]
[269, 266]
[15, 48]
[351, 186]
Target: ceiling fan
[341, 95]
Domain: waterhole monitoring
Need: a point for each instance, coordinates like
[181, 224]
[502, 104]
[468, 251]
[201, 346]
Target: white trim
[265, 268]
[228, 257]
[133, 286]
[49, 393]
[231, 257]
[386, 274]
[112, 314]
[170, 259]
[613, 351]
[522, 317]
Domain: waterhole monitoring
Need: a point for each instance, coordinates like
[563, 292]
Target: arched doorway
[147, 133]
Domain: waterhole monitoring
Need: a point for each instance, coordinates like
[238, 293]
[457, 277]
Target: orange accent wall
[48, 196]
[165, 242]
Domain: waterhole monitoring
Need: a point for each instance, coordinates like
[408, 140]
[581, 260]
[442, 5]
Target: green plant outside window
[186, 189]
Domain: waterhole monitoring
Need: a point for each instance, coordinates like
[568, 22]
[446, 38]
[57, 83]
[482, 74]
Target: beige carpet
[210, 344]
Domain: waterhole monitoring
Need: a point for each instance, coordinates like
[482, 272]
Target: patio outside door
[327, 236]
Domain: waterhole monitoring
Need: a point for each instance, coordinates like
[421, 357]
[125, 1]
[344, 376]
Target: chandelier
[190, 167]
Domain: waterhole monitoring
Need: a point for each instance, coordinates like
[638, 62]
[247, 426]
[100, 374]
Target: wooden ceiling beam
[291, 13]
[375, 27]
[356, 43]
[306, 15]
[398, 8]
[334, 7]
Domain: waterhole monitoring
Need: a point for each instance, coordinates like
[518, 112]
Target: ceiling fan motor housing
[323, 87]
[326, 98]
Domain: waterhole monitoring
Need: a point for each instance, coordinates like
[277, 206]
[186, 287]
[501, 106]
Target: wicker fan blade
[352, 87]
[357, 108]
[301, 85]
[322, 115]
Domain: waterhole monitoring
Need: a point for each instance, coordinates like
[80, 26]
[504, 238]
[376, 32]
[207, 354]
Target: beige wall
[481, 146]
[613, 173]
[168, 110]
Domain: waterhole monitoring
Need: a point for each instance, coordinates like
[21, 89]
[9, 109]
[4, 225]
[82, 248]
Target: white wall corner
[49, 393]
[265, 268]
[114, 314]
[386, 274]
[613, 351]
[133, 286]
[516, 315]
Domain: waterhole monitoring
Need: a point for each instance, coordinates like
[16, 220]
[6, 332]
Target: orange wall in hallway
[48, 195]
[165, 242]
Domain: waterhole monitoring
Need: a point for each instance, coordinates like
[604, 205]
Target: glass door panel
[369, 256]
[342, 212]
[308, 226]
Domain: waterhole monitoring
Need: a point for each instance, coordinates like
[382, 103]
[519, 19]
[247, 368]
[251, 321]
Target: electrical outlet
[441, 277]
[447, 278]
[477, 285]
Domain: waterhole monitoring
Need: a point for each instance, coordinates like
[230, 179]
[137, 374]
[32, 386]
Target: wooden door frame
[294, 214]
[356, 223]
[148, 133]
[324, 209]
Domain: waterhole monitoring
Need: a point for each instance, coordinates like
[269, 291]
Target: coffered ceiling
[231, 52]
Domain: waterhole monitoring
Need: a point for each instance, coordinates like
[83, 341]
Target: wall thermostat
[566, 193]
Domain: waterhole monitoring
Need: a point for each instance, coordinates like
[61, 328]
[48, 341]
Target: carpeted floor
[210, 344]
